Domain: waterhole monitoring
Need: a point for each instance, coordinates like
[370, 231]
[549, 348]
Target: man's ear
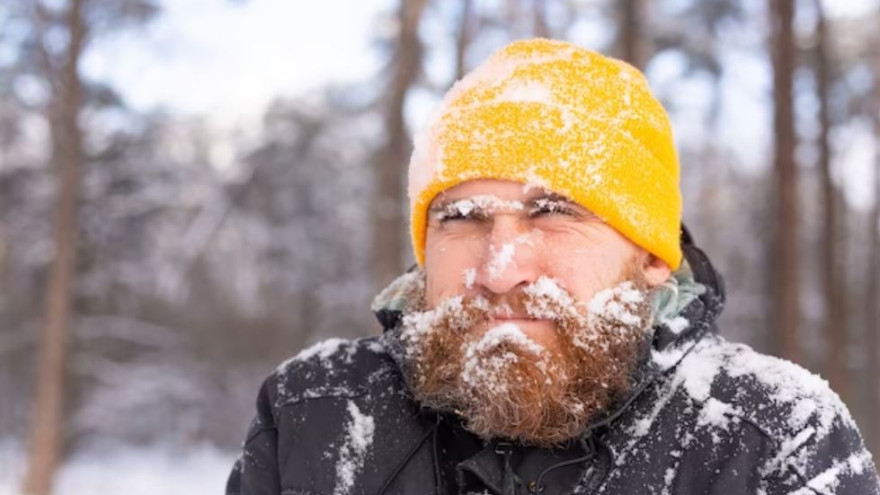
[656, 270]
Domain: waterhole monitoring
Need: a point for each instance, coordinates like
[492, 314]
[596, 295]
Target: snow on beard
[505, 385]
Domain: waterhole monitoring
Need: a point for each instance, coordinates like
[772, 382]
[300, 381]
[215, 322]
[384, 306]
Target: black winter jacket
[707, 417]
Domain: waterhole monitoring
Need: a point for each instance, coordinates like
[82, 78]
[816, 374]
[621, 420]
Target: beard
[505, 385]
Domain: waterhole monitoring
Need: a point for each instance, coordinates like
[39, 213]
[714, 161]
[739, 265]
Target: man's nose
[508, 258]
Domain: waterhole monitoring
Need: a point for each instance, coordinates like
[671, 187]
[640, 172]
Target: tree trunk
[540, 28]
[463, 40]
[833, 268]
[872, 294]
[786, 245]
[631, 38]
[388, 220]
[47, 423]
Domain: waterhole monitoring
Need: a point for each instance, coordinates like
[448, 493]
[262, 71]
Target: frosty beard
[504, 385]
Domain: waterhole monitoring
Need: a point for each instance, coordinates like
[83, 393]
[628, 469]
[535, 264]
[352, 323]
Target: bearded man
[558, 333]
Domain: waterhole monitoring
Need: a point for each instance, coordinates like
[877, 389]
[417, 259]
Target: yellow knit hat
[564, 118]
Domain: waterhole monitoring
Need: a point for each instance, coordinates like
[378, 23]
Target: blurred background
[192, 190]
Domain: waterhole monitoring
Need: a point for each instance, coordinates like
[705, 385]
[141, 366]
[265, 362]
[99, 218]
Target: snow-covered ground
[129, 471]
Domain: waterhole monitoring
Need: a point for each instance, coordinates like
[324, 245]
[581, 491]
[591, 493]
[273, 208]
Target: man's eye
[444, 217]
[459, 213]
[545, 207]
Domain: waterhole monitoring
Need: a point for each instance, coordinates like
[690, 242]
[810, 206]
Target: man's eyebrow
[550, 198]
[440, 205]
[445, 205]
[480, 202]
[553, 198]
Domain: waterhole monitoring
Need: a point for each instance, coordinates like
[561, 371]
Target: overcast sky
[227, 59]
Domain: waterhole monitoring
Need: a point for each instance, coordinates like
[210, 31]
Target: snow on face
[470, 276]
[501, 259]
[530, 239]
[454, 313]
[553, 376]
[544, 299]
[616, 303]
[419, 323]
[618, 308]
[548, 300]
[478, 205]
[506, 332]
[510, 236]
[354, 450]
[483, 368]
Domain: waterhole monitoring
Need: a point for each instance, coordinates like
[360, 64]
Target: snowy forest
[156, 264]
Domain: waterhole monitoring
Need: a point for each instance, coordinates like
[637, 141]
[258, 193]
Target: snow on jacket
[706, 417]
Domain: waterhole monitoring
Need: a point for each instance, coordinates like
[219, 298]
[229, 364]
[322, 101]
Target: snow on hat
[561, 117]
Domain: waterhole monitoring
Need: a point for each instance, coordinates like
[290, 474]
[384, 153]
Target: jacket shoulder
[813, 438]
[334, 367]
[779, 396]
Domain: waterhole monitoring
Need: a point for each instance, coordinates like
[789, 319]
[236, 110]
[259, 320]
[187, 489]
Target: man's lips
[515, 317]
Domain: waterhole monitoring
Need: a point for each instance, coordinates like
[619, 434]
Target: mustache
[544, 299]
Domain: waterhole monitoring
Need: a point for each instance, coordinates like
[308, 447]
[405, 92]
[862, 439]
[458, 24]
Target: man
[558, 335]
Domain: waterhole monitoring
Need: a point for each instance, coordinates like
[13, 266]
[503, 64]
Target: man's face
[532, 316]
[492, 238]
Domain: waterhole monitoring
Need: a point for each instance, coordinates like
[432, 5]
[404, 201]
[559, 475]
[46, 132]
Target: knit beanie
[554, 115]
